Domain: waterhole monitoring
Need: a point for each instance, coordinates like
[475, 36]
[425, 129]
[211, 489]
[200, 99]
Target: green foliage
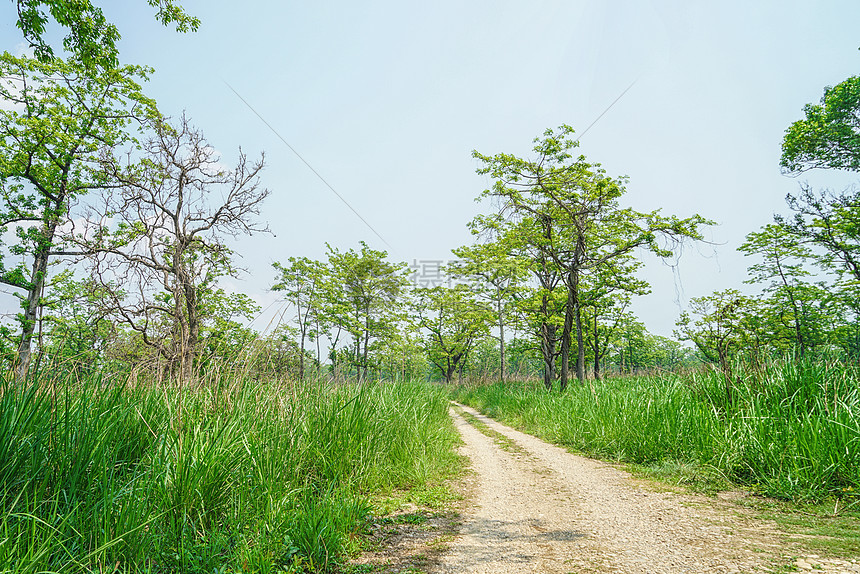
[76, 331]
[792, 430]
[305, 284]
[722, 326]
[241, 478]
[455, 321]
[59, 122]
[822, 228]
[498, 277]
[365, 301]
[91, 38]
[829, 136]
[797, 314]
[829, 225]
[572, 209]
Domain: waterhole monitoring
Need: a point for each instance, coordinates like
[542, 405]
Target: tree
[91, 38]
[276, 354]
[524, 358]
[781, 266]
[606, 293]
[160, 233]
[497, 277]
[829, 136]
[580, 201]
[365, 297]
[404, 357]
[631, 341]
[722, 326]
[455, 320]
[829, 223]
[59, 121]
[224, 337]
[302, 283]
[533, 242]
[76, 328]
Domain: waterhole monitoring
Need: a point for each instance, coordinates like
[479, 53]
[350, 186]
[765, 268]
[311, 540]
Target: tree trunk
[547, 346]
[365, 352]
[797, 329]
[501, 343]
[580, 345]
[319, 357]
[565, 334]
[596, 348]
[189, 323]
[34, 299]
[302, 358]
[449, 373]
[572, 316]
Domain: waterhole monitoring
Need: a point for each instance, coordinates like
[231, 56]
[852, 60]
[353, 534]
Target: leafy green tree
[781, 269]
[276, 354]
[826, 224]
[303, 285]
[160, 232]
[77, 330]
[829, 225]
[581, 202]
[403, 357]
[637, 349]
[722, 326]
[813, 307]
[632, 343]
[524, 358]
[841, 315]
[539, 307]
[496, 276]
[455, 320]
[225, 340]
[483, 360]
[58, 122]
[829, 136]
[670, 354]
[605, 295]
[365, 293]
[91, 38]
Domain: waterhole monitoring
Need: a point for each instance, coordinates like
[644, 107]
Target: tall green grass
[791, 430]
[247, 478]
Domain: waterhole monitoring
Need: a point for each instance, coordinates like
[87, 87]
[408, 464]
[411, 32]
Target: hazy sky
[386, 100]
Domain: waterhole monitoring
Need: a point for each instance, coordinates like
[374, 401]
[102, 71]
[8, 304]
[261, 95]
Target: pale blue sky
[387, 99]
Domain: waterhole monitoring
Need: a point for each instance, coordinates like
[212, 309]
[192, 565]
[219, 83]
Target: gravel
[537, 508]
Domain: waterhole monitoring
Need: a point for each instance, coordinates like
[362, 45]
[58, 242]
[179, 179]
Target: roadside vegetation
[97, 476]
[790, 431]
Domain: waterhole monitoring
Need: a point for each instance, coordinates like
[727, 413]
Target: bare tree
[156, 241]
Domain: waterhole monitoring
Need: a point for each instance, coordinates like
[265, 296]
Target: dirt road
[537, 508]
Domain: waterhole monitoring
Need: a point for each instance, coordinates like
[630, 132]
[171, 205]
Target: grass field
[790, 431]
[226, 478]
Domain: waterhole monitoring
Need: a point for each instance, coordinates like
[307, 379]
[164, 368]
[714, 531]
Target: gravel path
[537, 508]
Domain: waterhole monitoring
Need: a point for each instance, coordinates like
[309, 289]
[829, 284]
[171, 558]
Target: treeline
[807, 261]
[116, 223]
[545, 291]
[357, 315]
